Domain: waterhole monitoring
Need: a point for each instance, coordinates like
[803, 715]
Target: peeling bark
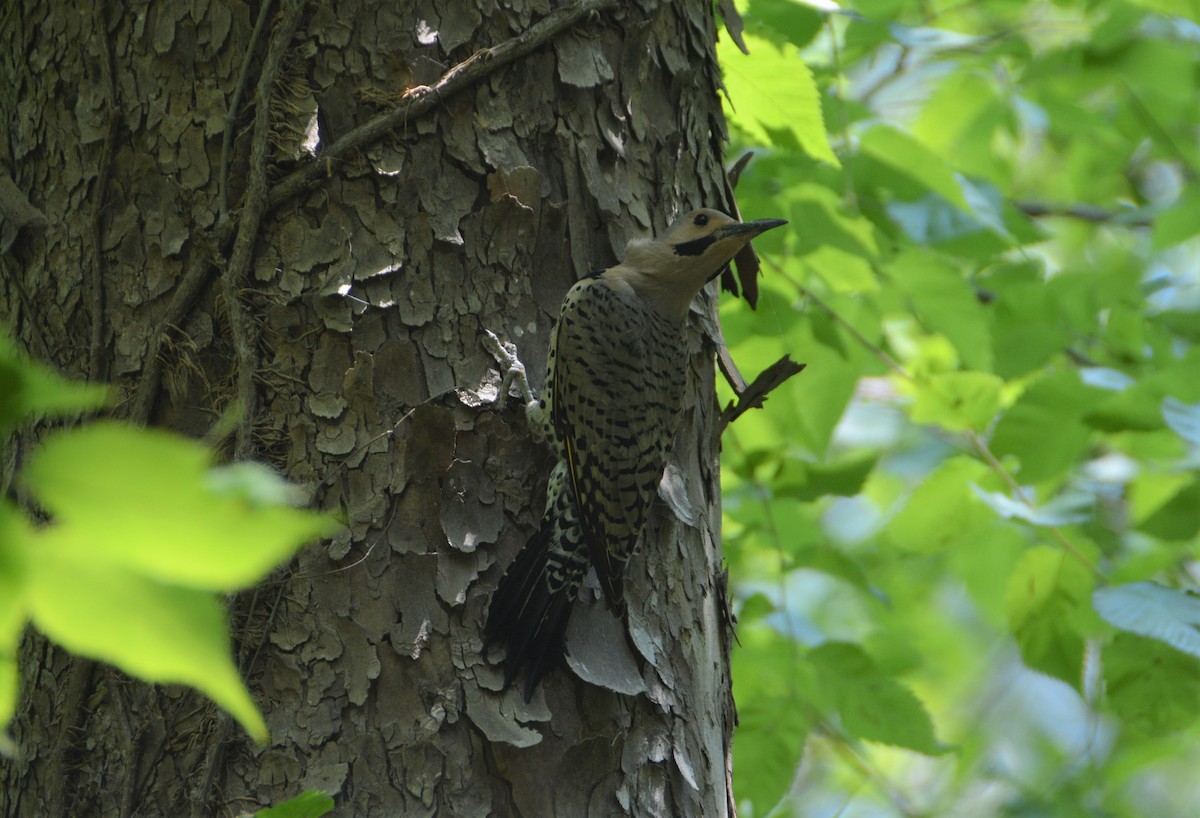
[339, 301]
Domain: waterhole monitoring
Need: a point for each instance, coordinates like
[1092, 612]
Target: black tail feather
[526, 617]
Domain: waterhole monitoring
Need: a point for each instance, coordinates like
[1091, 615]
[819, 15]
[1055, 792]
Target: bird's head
[671, 268]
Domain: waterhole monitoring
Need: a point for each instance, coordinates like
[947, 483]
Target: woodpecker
[615, 379]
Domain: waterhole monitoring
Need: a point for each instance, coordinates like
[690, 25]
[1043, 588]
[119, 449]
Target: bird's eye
[700, 220]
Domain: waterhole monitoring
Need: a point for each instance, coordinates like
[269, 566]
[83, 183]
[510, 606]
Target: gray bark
[344, 313]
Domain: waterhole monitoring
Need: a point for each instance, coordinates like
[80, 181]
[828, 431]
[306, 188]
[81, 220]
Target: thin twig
[422, 100]
[97, 365]
[264, 12]
[254, 207]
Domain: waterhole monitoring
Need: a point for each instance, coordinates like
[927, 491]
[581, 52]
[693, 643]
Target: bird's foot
[513, 374]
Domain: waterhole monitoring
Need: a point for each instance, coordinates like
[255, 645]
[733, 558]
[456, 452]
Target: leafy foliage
[971, 523]
[143, 531]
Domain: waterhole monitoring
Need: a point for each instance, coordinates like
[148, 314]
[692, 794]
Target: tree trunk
[327, 300]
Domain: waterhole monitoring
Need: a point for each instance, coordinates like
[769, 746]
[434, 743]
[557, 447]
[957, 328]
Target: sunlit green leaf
[771, 110]
[873, 706]
[15, 542]
[150, 629]
[958, 400]
[148, 501]
[908, 156]
[1045, 590]
[30, 390]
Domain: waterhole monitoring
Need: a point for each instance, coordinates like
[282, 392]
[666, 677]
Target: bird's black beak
[748, 230]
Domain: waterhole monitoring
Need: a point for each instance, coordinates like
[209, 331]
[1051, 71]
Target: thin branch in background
[97, 364]
[423, 99]
[1139, 217]
[254, 207]
[235, 103]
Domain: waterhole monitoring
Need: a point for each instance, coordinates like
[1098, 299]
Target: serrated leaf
[872, 705]
[942, 511]
[771, 690]
[148, 501]
[1149, 609]
[958, 400]
[157, 631]
[946, 304]
[1153, 689]
[774, 94]
[1046, 588]
[1043, 428]
[908, 156]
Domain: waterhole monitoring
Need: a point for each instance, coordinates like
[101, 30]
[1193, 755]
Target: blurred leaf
[958, 400]
[1044, 591]
[307, 805]
[1178, 223]
[1044, 427]
[775, 112]
[872, 705]
[1182, 418]
[773, 723]
[942, 511]
[159, 632]
[1154, 690]
[908, 156]
[15, 542]
[148, 501]
[1068, 508]
[1149, 609]
[946, 304]
[30, 390]
[1178, 518]
[807, 481]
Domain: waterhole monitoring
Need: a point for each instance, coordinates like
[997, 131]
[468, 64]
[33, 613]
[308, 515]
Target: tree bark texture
[224, 237]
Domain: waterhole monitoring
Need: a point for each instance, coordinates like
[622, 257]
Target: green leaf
[1046, 589]
[799, 480]
[1154, 690]
[1178, 518]
[1149, 609]
[15, 538]
[307, 805]
[958, 400]
[942, 511]
[159, 632]
[1044, 428]
[148, 501]
[946, 304]
[1178, 223]
[773, 722]
[29, 390]
[872, 706]
[775, 97]
[908, 156]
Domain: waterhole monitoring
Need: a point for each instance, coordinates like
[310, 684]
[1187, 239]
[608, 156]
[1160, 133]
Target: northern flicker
[614, 387]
